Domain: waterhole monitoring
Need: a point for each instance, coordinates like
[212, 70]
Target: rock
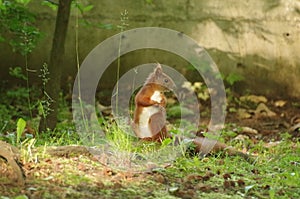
[11, 155]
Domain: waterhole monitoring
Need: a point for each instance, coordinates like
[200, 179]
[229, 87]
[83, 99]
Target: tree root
[67, 151]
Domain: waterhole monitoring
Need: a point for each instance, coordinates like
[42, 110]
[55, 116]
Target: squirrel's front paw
[162, 108]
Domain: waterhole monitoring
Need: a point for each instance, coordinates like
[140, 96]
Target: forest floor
[268, 130]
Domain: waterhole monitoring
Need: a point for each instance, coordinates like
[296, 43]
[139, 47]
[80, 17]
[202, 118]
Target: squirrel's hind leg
[157, 125]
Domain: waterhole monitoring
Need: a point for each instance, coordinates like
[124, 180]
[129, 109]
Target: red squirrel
[150, 104]
[150, 113]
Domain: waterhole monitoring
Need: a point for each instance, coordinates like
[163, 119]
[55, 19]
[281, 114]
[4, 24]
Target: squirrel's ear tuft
[158, 68]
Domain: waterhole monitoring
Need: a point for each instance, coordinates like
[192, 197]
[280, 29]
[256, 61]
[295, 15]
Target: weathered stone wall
[259, 39]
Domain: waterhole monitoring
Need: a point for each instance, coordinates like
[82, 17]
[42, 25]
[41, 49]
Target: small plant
[296, 104]
[13, 105]
[23, 36]
[19, 23]
[81, 9]
[44, 104]
[233, 78]
[17, 72]
[119, 139]
[230, 81]
[122, 27]
[20, 93]
[21, 124]
[26, 150]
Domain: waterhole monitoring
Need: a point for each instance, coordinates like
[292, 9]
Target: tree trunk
[53, 86]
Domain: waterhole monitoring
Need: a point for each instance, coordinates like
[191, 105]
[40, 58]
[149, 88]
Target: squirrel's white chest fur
[144, 127]
[156, 96]
[146, 113]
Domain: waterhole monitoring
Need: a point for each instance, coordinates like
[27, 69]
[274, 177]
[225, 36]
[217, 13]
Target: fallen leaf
[203, 187]
[241, 137]
[207, 176]
[254, 98]
[226, 184]
[193, 177]
[243, 114]
[117, 185]
[262, 110]
[171, 101]
[187, 85]
[173, 189]
[159, 178]
[81, 167]
[271, 144]
[108, 171]
[241, 183]
[280, 103]
[248, 130]
[226, 176]
[197, 85]
[48, 178]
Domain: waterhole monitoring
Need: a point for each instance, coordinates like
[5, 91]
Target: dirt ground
[74, 173]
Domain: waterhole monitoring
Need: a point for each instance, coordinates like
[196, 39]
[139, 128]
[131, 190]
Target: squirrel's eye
[166, 80]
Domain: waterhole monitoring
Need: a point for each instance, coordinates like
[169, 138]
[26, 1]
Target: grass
[275, 174]
[154, 171]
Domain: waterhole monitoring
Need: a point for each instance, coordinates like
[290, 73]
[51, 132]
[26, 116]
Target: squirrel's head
[161, 79]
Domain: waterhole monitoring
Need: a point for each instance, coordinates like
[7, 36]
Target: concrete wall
[259, 39]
